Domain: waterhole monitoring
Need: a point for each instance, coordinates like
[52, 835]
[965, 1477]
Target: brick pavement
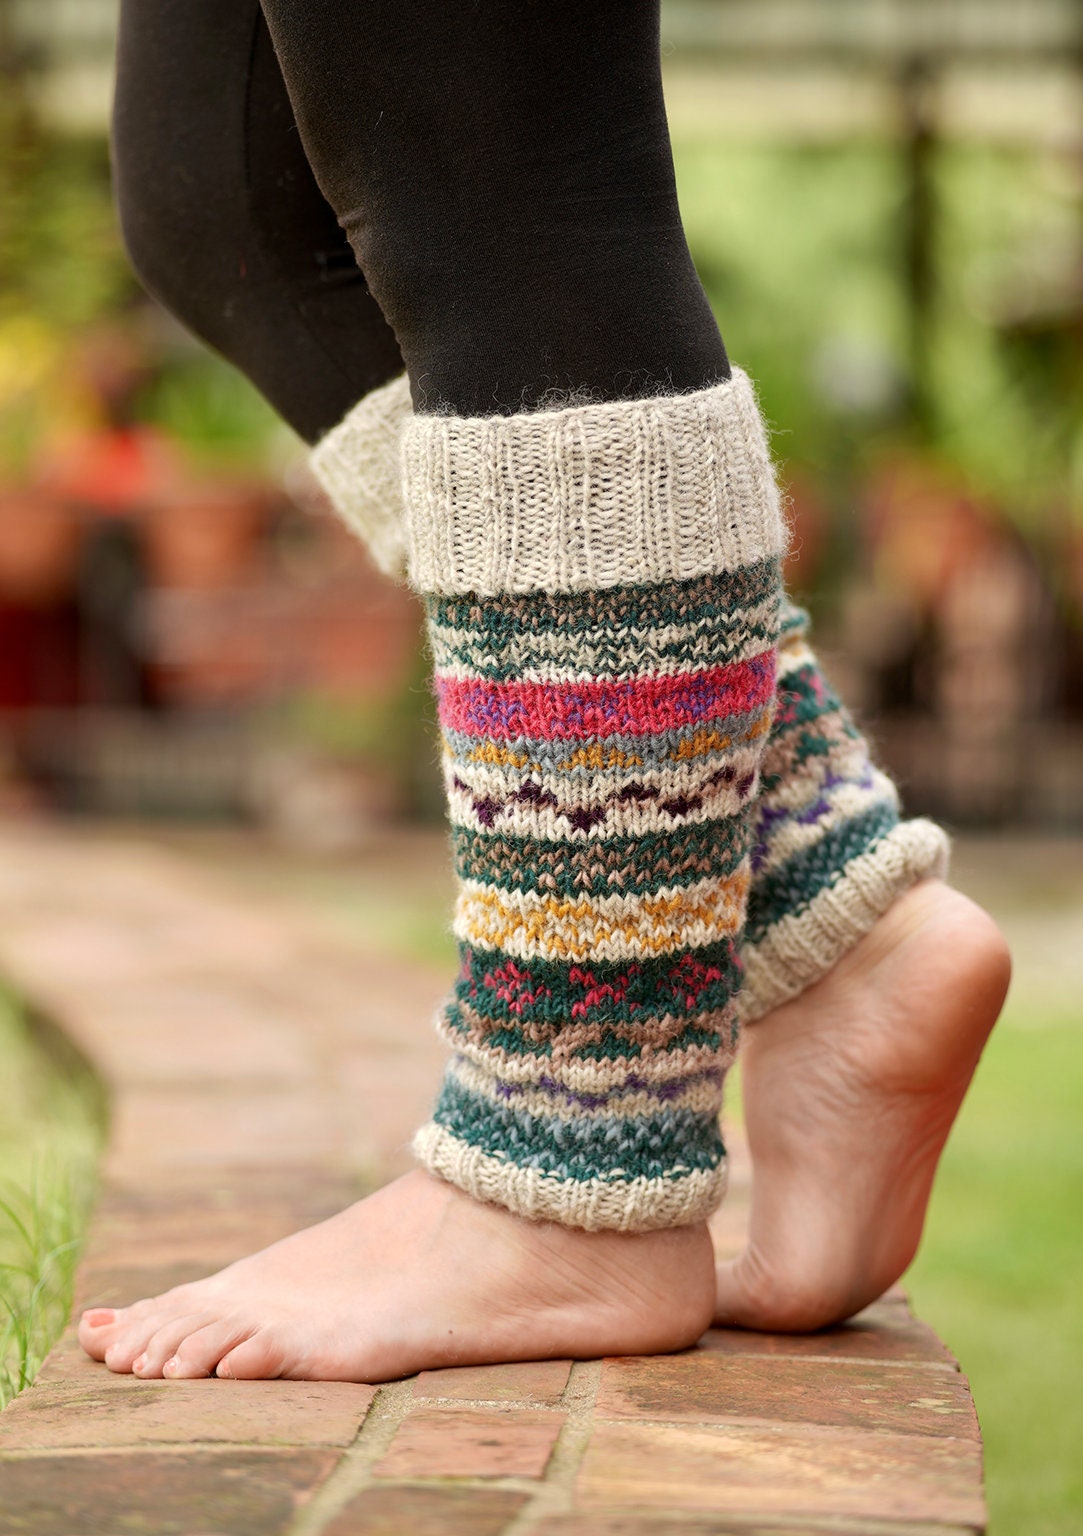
[262, 1073]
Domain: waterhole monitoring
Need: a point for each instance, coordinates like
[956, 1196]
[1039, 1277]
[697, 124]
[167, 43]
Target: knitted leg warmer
[602, 588]
[832, 854]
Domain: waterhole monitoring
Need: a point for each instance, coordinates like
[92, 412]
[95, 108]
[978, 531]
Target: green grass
[51, 1118]
[1000, 1272]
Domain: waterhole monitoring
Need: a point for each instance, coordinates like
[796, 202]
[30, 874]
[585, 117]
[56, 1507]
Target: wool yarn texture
[602, 592]
[831, 853]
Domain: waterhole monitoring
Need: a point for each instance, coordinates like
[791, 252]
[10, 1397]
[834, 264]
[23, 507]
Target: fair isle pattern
[831, 854]
[599, 792]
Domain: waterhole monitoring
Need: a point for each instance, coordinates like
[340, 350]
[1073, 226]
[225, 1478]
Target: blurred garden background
[885, 202]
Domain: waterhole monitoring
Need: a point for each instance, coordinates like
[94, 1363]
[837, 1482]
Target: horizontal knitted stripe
[536, 813]
[547, 992]
[606, 655]
[617, 493]
[592, 769]
[676, 1198]
[643, 864]
[720, 597]
[584, 1146]
[792, 885]
[530, 924]
[547, 1101]
[799, 829]
[589, 1036]
[635, 707]
[801, 947]
[692, 743]
[603, 1075]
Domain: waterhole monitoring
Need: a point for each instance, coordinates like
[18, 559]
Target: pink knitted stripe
[642, 706]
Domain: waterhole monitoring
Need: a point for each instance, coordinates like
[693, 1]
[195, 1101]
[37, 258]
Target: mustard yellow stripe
[530, 925]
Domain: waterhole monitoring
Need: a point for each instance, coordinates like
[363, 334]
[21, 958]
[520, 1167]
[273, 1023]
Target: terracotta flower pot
[207, 538]
[39, 549]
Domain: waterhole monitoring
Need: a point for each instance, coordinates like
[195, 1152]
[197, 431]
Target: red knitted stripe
[642, 706]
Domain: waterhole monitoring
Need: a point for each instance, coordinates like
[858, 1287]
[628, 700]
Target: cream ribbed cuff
[800, 949]
[591, 496]
[637, 1205]
[358, 464]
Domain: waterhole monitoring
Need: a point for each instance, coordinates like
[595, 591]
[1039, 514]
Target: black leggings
[492, 176]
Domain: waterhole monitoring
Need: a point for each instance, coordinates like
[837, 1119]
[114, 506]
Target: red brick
[124, 1412]
[392, 1511]
[775, 1472]
[464, 1442]
[534, 1381]
[236, 1493]
[886, 1333]
[705, 1388]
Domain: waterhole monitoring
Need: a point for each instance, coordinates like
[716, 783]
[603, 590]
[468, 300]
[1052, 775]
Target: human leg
[222, 217]
[601, 582]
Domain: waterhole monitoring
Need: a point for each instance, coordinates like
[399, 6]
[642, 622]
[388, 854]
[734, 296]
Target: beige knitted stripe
[531, 925]
[801, 948]
[358, 464]
[638, 1205]
[540, 821]
[592, 496]
[697, 1095]
[579, 1075]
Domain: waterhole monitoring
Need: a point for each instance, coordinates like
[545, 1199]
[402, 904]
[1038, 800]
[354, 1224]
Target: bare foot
[850, 1092]
[418, 1276]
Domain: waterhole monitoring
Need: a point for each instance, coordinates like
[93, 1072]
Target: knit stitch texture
[601, 744]
[831, 854]
[357, 464]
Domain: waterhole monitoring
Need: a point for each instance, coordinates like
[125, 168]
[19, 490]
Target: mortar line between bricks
[353, 1472]
[553, 1495]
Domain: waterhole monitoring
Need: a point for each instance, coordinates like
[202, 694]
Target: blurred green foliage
[51, 1128]
[999, 1270]
[801, 252]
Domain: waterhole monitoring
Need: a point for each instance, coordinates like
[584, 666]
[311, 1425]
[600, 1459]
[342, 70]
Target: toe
[201, 1350]
[257, 1359]
[98, 1329]
[130, 1341]
[164, 1343]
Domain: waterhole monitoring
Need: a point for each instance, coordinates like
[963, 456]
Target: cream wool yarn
[357, 464]
[602, 588]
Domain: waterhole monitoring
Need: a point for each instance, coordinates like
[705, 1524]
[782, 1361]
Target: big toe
[98, 1327]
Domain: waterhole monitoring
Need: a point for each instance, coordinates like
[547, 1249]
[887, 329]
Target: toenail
[99, 1317]
[224, 1371]
[139, 1362]
[170, 1366]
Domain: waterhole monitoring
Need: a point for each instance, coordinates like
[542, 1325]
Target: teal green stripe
[494, 619]
[790, 888]
[551, 993]
[667, 1145]
[610, 867]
